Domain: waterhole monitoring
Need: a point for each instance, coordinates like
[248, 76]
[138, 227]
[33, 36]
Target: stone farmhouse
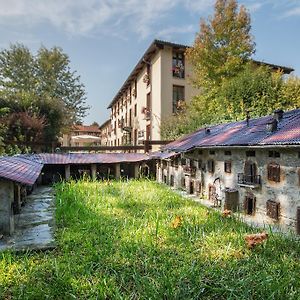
[251, 166]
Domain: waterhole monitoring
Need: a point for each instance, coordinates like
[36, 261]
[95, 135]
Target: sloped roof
[86, 128]
[26, 168]
[87, 158]
[242, 134]
[20, 169]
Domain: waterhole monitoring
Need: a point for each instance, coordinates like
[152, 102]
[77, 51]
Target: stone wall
[285, 193]
[6, 207]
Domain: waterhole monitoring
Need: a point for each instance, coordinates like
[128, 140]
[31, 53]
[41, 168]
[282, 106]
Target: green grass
[116, 242]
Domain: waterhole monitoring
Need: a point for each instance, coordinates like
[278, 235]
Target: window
[200, 164]
[148, 132]
[200, 152]
[250, 172]
[183, 161]
[250, 204]
[227, 153]
[135, 88]
[274, 172]
[227, 166]
[250, 153]
[130, 117]
[115, 128]
[175, 161]
[172, 180]
[212, 152]
[274, 154]
[135, 110]
[210, 166]
[135, 137]
[178, 97]
[178, 64]
[149, 73]
[211, 192]
[273, 209]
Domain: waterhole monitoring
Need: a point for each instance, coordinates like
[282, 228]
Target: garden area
[141, 240]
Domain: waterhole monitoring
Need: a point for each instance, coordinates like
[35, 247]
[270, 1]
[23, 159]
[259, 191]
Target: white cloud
[83, 17]
[293, 12]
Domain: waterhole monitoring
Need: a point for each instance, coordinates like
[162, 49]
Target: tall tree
[222, 46]
[42, 88]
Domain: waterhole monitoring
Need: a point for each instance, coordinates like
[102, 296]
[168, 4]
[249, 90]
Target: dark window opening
[227, 153]
[172, 180]
[250, 204]
[200, 152]
[274, 172]
[178, 64]
[212, 152]
[250, 172]
[135, 110]
[274, 154]
[211, 192]
[183, 161]
[183, 182]
[165, 179]
[250, 153]
[199, 164]
[191, 191]
[227, 166]
[210, 166]
[178, 98]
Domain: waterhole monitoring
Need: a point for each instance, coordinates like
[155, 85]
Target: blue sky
[105, 38]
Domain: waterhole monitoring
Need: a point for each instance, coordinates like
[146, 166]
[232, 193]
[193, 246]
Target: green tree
[40, 87]
[222, 45]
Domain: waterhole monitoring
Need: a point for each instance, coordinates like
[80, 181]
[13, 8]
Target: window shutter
[273, 209]
[274, 172]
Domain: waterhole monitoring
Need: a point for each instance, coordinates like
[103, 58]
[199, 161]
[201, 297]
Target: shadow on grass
[118, 243]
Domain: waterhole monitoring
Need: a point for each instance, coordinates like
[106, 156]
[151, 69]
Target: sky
[105, 38]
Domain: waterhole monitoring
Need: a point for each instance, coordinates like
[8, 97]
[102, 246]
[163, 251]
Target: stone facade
[7, 223]
[264, 182]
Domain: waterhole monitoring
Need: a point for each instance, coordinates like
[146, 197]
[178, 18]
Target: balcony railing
[189, 170]
[250, 180]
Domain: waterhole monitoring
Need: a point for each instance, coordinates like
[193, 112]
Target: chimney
[278, 114]
[207, 130]
[247, 117]
[272, 125]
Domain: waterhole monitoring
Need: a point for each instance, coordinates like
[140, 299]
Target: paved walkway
[34, 226]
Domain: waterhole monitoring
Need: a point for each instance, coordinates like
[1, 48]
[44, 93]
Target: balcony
[252, 181]
[189, 170]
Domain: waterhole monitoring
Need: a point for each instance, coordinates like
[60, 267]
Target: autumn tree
[222, 45]
[229, 82]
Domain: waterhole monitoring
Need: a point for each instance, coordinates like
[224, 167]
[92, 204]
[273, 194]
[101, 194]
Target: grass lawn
[116, 241]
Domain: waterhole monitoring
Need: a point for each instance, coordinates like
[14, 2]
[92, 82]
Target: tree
[41, 87]
[229, 82]
[222, 46]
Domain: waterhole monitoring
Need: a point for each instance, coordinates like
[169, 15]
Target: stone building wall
[286, 192]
